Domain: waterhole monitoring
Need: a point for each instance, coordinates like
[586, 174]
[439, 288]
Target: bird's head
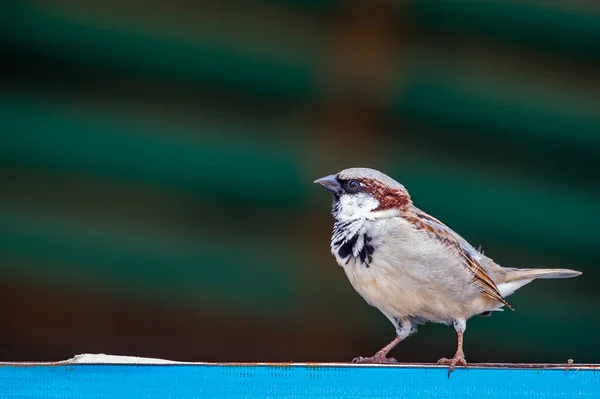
[364, 193]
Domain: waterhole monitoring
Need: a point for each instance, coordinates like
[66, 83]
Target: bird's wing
[461, 247]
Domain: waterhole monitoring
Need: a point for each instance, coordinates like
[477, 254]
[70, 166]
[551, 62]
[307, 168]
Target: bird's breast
[410, 274]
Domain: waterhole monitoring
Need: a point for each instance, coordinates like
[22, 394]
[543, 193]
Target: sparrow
[411, 266]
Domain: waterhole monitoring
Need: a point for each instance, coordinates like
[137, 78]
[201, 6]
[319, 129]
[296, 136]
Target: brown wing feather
[448, 237]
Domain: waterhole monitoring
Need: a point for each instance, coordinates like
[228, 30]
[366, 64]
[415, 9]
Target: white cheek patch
[356, 206]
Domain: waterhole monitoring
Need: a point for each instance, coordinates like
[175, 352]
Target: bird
[410, 265]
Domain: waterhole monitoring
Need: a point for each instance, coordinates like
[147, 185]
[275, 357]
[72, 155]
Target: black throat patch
[366, 252]
[347, 241]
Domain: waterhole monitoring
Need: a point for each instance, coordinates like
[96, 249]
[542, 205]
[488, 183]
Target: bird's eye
[353, 185]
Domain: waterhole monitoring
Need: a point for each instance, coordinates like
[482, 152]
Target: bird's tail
[530, 274]
[516, 278]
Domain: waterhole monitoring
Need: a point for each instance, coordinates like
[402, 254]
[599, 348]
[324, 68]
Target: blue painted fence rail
[64, 380]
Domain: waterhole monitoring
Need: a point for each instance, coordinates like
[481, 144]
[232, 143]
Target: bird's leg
[459, 357]
[403, 330]
[381, 356]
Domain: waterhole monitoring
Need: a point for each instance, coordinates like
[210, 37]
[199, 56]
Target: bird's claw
[377, 359]
[457, 360]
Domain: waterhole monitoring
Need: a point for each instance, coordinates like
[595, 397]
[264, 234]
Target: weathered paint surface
[65, 380]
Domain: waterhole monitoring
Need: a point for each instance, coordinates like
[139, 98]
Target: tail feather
[516, 278]
[530, 274]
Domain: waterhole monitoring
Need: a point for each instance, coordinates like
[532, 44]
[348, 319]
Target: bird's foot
[379, 358]
[457, 360]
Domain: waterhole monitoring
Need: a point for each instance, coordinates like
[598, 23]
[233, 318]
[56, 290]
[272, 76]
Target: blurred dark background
[156, 168]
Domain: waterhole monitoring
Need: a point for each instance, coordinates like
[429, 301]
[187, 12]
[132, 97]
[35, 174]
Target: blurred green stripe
[437, 98]
[316, 4]
[557, 319]
[560, 28]
[208, 63]
[67, 139]
[532, 215]
[206, 270]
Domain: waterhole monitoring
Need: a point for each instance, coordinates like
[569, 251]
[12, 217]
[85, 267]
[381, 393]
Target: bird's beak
[330, 183]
